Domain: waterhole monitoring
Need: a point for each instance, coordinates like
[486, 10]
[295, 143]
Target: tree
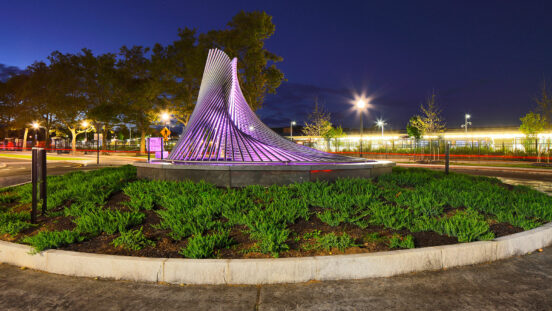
[68, 89]
[101, 83]
[182, 62]
[531, 125]
[414, 128]
[38, 96]
[430, 121]
[143, 89]
[335, 133]
[318, 123]
[544, 106]
[244, 38]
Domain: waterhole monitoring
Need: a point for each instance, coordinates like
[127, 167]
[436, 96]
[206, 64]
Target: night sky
[486, 58]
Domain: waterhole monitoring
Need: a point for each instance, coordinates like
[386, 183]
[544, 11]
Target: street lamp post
[466, 123]
[381, 124]
[291, 129]
[361, 104]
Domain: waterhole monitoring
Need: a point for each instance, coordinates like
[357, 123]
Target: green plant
[52, 239]
[203, 246]
[330, 241]
[107, 221]
[132, 240]
[397, 241]
[13, 223]
[466, 225]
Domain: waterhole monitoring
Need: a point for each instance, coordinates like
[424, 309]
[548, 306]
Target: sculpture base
[241, 175]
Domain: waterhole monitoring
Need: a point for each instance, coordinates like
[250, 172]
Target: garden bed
[108, 211]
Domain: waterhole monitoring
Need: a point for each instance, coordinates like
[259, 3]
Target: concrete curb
[278, 270]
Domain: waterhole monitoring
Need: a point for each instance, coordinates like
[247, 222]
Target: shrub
[203, 246]
[132, 240]
[329, 241]
[13, 223]
[466, 225]
[109, 222]
[52, 239]
[397, 241]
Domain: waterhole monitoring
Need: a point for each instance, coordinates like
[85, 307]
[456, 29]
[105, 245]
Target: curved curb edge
[278, 270]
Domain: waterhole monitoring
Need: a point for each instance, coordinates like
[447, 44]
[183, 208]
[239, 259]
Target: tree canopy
[136, 84]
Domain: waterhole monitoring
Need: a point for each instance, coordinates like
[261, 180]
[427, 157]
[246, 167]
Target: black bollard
[43, 176]
[34, 180]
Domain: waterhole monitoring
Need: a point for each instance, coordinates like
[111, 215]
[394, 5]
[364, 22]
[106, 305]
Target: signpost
[166, 133]
[156, 145]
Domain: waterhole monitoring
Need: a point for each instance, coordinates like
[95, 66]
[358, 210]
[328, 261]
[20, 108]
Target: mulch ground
[167, 247]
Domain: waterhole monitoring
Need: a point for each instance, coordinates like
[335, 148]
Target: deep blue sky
[487, 58]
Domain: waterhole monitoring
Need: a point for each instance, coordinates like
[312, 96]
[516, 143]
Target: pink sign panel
[155, 144]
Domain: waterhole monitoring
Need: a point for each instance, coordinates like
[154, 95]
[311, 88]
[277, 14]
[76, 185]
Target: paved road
[522, 283]
[15, 171]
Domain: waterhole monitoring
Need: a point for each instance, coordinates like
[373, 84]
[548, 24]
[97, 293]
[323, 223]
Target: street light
[36, 127]
[361, 104]
[466, 122]
[85, 125]
[291, 129]
[165, 116]
[382, 124]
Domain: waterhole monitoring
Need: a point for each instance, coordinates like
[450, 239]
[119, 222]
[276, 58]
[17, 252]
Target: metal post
[360, 134]
[34, 180]
[447, 157]
[43, 176]
[162, 147]
[148, 149]
[291, 130]
[98, 149]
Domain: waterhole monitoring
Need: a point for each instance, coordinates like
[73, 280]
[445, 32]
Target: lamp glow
[85, 124]
[36, 125]
[165, 116]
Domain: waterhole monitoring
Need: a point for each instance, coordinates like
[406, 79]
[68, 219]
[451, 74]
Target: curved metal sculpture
[223, 128]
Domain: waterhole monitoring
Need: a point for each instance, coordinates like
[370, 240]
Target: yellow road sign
[166, 133]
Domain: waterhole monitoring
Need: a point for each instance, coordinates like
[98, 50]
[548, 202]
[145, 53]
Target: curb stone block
[269, 271]
[282, 270]
[377, 264]
[524, 242]
[105, 266]
[196, 271]
[20, 255]
[467, 253]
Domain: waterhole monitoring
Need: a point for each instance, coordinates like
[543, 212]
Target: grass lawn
[109, 211]
[25, 156]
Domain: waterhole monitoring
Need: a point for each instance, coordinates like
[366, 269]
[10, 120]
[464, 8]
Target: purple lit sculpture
[224, 129]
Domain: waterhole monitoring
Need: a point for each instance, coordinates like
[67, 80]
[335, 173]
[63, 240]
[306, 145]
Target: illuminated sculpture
[223, 128]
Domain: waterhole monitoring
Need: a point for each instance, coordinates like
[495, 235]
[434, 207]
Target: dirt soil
[243, 246]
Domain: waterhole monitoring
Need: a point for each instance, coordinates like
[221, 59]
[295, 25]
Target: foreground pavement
[521, 283]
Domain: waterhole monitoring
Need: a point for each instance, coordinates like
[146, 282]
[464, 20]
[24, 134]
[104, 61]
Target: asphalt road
[15, 171]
